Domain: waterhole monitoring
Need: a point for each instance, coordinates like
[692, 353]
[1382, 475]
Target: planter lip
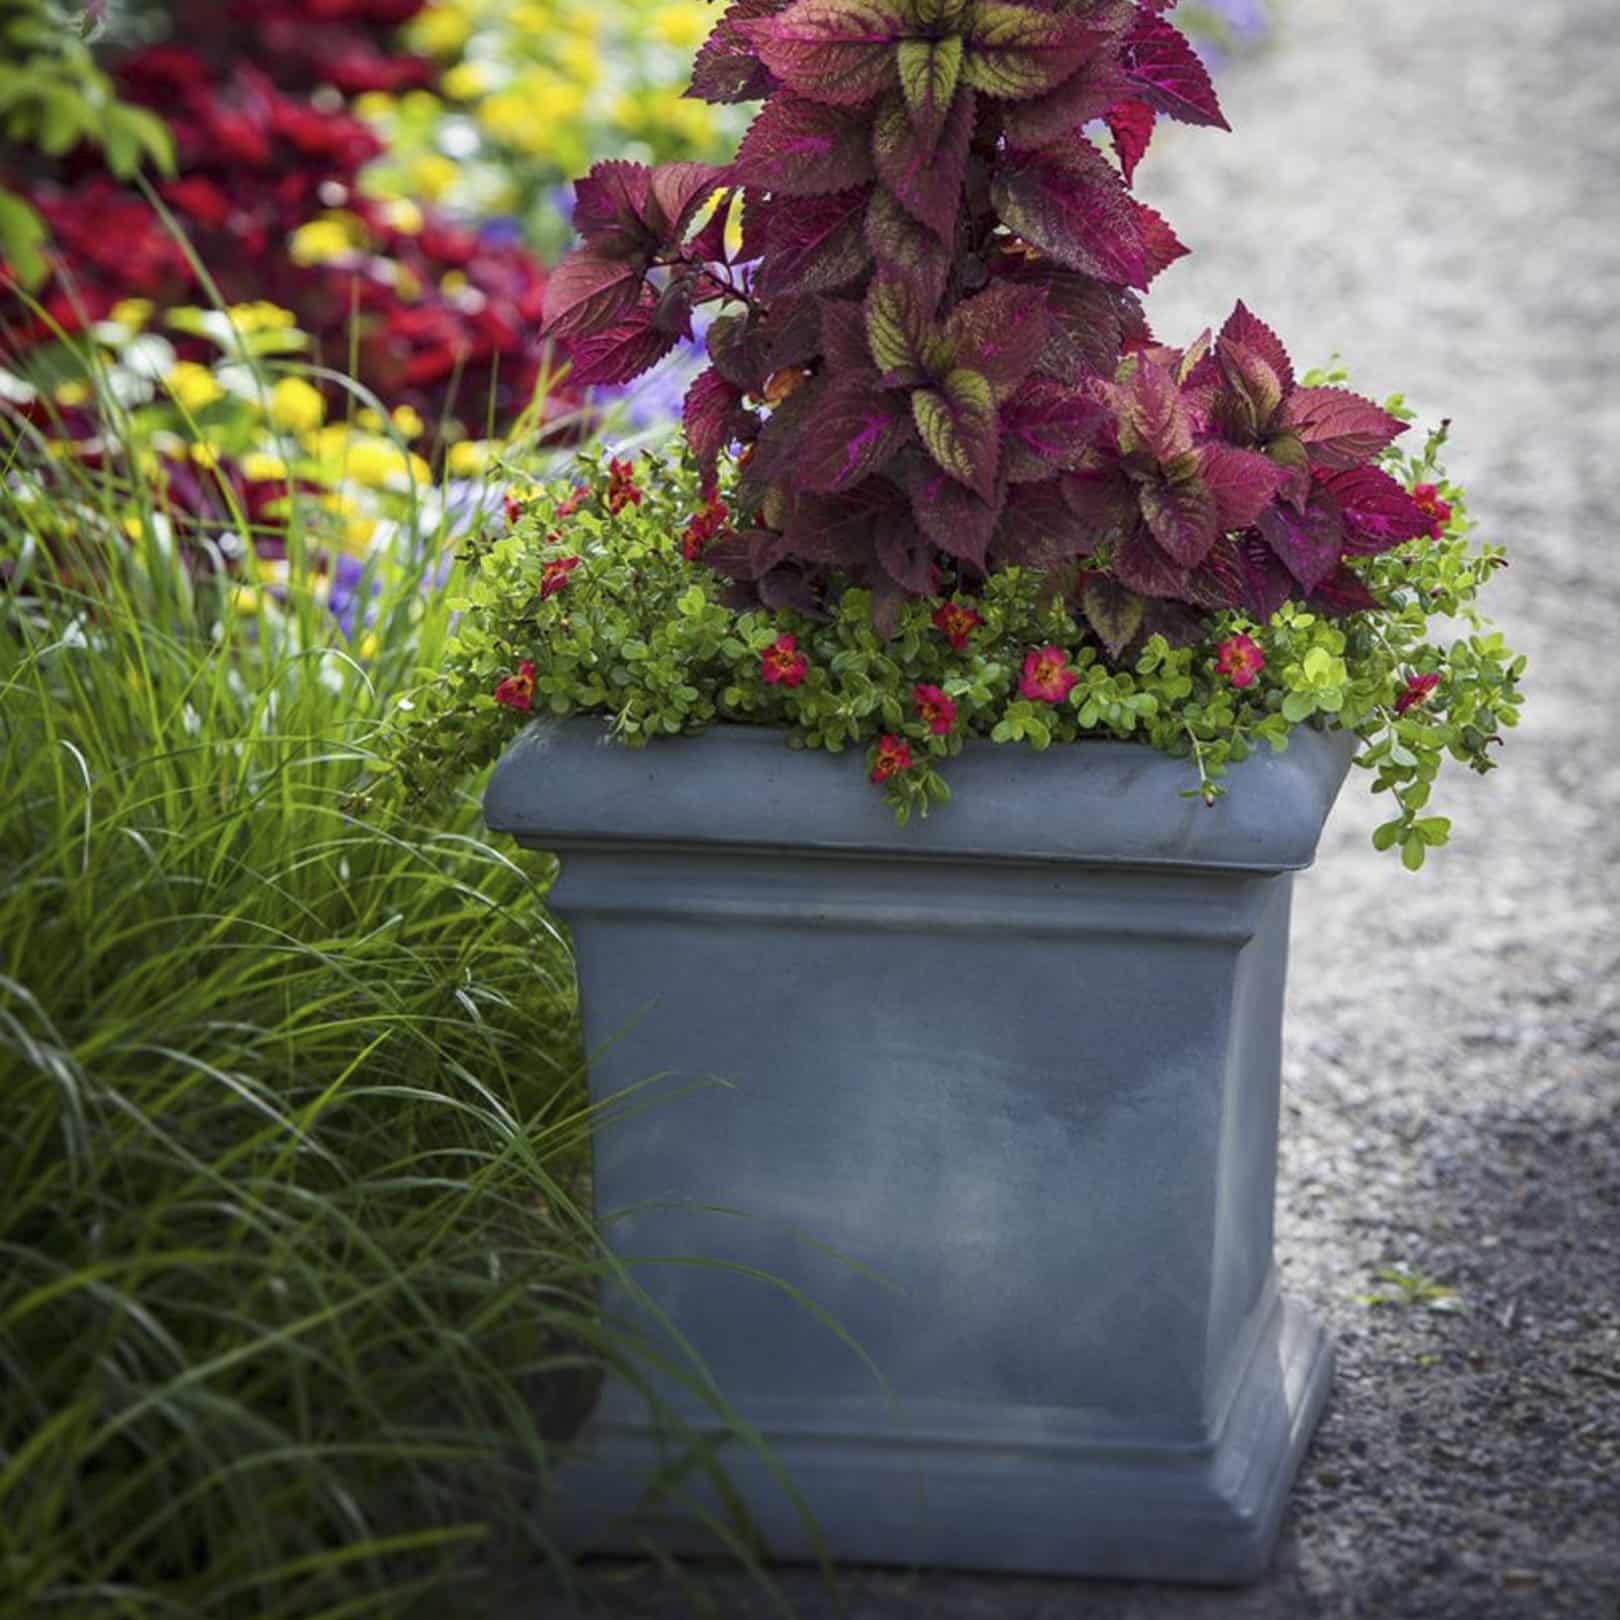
[563, 784]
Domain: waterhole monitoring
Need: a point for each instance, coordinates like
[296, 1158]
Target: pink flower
[957, 622]
[782, 662]
[893, 754]
[517, 691]
[1240, 659]
[1047, 677]
[1438, 511]
[1417, 691]
[937, 710]
[555, 575]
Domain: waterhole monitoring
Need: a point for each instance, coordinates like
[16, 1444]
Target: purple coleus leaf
[1073, 206]
[1144, 566]
[926, 177]
[838, 51]
[1161, 247]
[1131, 124]
[707, 415]
[1243, 483]
[728, 68]
[1267, 583]
[739, 346]
[852, 428]
[1338, 428]
[1309, 543]
[610, 206]
[1000, 334]
[1166, 73]
[1039, 528]
[1378, 513]
[1113, 612]
[675, 193]
[906, 248]
[1342, 593]
[1151, 412]
[957, 424]
[586, 294]
[816, 246]
[1045, 427]
[1015, 52]
[1087, 321]
[955, 518]
[899, 336]
[1242, 326]
[1182, 515]
[804, 148]
[622, 352]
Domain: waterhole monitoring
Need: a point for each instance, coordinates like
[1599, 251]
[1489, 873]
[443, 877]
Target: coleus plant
[932, 349]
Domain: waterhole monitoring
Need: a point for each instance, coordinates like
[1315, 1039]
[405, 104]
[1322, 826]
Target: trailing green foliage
[596, 602]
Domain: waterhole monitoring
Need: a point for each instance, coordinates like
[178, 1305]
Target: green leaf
[1298, 706]
[929, 70]
[22, 236]
[1386, 836]
[958, 426]
[1413, 851]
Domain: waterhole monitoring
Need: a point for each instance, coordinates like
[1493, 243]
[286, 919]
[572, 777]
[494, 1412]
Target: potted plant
[995, 1089]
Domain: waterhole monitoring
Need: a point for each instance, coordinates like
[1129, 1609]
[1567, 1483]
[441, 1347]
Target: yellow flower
[333, 237]
[420, 106]
[432, 174]
[407, 424]
[373, 462]
[370, 420]
[440, 30]
[296, 407]
[471, 458]
[193, 386]
[205, 456]
[245, 601]
[531, 18]
[466, 81]
[358, 533]
[375, 106]
[261, 317]
[133, 313]
[683, 26]
[72, 393]
[262, 468]
[403, 215]
[368, 645]
[578, 60]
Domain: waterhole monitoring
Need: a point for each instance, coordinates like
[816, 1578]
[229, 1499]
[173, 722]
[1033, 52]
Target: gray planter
[1017, 1067]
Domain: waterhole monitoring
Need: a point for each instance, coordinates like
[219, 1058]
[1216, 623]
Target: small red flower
[893, 754]
[555, 575]
[572, 503]
[622, 489]
[704, 526]
[1437, 510]
[1417, 691]
[1240, 659]
[782, 662]
[937, 710]
[1047, 677]
[517, 691]
[957, 622]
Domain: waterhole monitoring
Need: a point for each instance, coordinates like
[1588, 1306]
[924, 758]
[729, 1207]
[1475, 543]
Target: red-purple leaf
[1168, 75]
[957, 424]
[706, 416]
[621, 353]
[1069, 202]
[804, 148]
[1141, 563]
[926, 178]
[1253, 333]
[586, 294]
[1254, 391]
[1243, 483]
[1340, 429]
[739, 346]
[728, 68]
[1086, 322]
[1061, 112]
[1152, 414]
[999, 333]
[1343, 593]
[675, 193]
[853, 429]
[709, 244]
[1039, 528]
[898, 334]
[1183, 517]
[1267, 583]
[838, 51]
[1161, 247]
[1378, 513]
[1105, 502]
[1131, 124]
[843, 335]
[1046, 426]
[907, 559]
[904, 247]
[958, 521]
[1111, 610]
[609, 210]
[816, 246]
[1309, 543]
[1016, 52]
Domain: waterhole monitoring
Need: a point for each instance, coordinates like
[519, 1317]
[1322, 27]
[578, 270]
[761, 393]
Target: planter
[1019, 1063]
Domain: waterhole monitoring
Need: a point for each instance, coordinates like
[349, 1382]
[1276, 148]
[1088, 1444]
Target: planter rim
[564, 784]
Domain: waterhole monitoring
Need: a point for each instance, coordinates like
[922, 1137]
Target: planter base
[1006, 1490]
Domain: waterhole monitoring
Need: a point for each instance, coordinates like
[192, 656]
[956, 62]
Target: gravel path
[1434, 191]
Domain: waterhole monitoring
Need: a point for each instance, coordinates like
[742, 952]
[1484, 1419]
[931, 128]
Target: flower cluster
[589, 603]
[440, 319]
[932, 348]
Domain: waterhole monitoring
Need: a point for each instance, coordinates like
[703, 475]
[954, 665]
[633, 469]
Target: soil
[1434, 192]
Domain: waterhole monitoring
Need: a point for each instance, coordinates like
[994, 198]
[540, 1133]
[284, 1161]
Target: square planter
[998, 1092]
